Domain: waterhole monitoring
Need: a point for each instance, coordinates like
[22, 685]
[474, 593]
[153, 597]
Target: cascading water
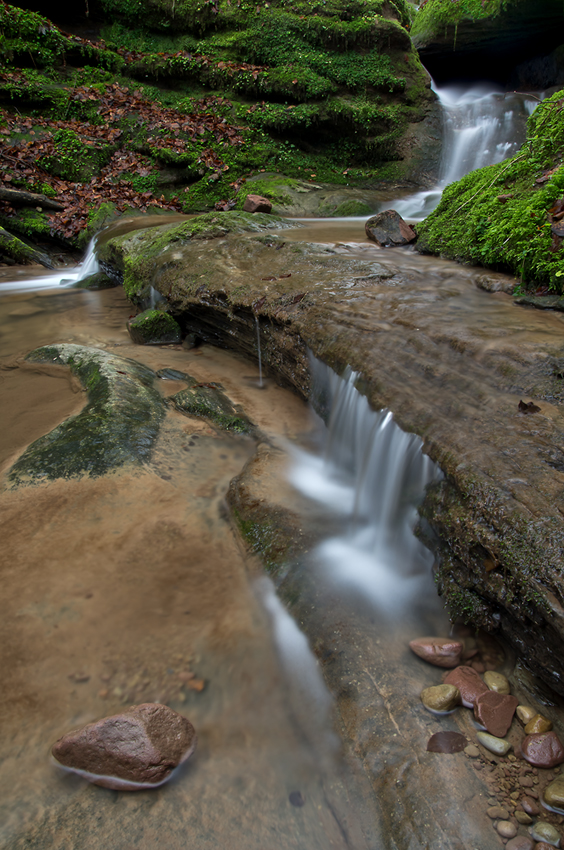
[481, 127]
[374, 475]
[62, 277]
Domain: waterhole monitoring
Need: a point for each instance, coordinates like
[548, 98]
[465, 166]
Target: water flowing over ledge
[373, 475]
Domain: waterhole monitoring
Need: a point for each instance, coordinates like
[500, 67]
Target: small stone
[525, 713]
[472, 751]
[296, 798]
[495, 711]
[138, 748]
[197, 684]
[520, 842]
[256, 203]
[442, 652]
[529, 806]
[497, 682]
[544, 750]
[537, 725]
[526, 781]
[388, 229]
[554, 794]
[497, 813]
[546, 832]
[468, 683]
[506, 829]
[523, 818]
[440, 698]
[542, 845]
[495, 745]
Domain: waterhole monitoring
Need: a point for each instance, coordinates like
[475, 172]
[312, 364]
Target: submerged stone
[495, 745]
[96, 282]
[139, 748]
[547, 833]
[211, 403]
[446, 742]
[537, 725]
[497, 682]
[154, 327]
[468, 683]
[118, 425]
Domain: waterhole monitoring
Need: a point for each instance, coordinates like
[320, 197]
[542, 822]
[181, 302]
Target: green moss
[74, 160]
[154, 327]
[211, 403]
[118, 425]
[29, 222]
[351, 208]
[436, 15]
[472, 224]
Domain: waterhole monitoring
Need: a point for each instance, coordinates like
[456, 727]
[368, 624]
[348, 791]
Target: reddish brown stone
[256, 203]
[495, 712]
[139, 748]
[529, 806]
[468, 683]
[543, 750]
[442, 652]
[388, 229]
[520, 842]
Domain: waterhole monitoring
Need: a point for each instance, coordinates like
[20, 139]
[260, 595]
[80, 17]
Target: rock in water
[497, 682]
[389, 230]
[154, 327]
[256, 203]
[543, 750]
[442, 652]
[554, 794]
[537, 725]
[468, 683]
[440, 698]
[495, 711]
[137, 749]
[545, 832]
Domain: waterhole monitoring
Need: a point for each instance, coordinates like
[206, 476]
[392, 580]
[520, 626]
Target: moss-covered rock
[13, 249]
[118, 425]
[500, 216]
[95, 282]
[154, 327]
[211, 403]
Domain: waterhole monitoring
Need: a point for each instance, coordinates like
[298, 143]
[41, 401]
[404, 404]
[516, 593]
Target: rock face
[500, 566]
[389, 230]
[137, 749]
[441, 652]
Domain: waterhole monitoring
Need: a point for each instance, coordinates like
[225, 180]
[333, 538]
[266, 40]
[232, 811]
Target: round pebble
[506, 829]
[472, 751]
[497, 682]
[525, 713]
[537, 725]
[497, 813]
[528, 805]
[523, 818]
[520, 842]
[546, 832]
[554, 794]
[440, 697]
[499, 746]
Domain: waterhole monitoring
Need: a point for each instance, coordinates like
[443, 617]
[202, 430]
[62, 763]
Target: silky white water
[373, 476]
[481, 126]
[62, 277]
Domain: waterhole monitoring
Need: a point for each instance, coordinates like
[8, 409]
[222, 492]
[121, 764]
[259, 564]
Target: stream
[134, 587]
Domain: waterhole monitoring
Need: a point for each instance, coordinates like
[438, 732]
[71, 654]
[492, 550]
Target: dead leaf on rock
[528, 407]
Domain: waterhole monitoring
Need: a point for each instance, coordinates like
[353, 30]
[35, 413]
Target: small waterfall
[62, 277]
[259, 352]
[374, 475]
[90, 264]
[481, 127]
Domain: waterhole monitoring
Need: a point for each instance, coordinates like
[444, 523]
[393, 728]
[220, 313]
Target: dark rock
[442, 652]
[154, 327]
[389, 230]
[468, 683]
[446, 742]
[96, 282]
[543, 750]
[139, 748]
[495, 711]
[256, 203]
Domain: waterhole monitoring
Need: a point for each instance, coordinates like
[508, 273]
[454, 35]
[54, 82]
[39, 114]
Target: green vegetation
[154, 327]
[436, 15]
[502, 216]
[74, 160]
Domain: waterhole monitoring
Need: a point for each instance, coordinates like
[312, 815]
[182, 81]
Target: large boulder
[389, 230]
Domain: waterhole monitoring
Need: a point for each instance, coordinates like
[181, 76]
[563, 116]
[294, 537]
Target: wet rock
[523, 818]
[554, 794]
[154, 327]
[440, 698]
[495, 711]
[495, 745]
[472, 751]
[537, 725]
[529, 806]
[256, 203]
[497, 813]
[506, 829]
[446, 742]
[546, 832]
[497, 682]
[442, 652]
[520, 842]
[96, 282]
[468, 683]
[211, 403]
[544, 750]
[544, 845]
[139, 748]
[525, 713]
[389, 230]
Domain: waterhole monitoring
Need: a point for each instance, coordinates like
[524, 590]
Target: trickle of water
[259, 352]
[481, 127]
[374, 475]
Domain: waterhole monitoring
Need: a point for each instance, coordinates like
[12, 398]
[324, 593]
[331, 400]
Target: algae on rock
[118, 425]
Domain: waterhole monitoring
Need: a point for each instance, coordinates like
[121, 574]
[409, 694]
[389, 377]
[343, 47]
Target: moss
[211, 403]
[351, 208]
[154, 327]
[30, 223]
[74, 160]
[118, 425]
[436, 15]
[499, 216]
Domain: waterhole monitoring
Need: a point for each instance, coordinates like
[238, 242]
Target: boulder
[136, 749]
[154, 327]
[389, 230]
[256, 203]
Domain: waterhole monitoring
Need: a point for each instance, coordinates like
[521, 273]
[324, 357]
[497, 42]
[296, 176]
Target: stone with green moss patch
[118, 425]
[154, 327]
[211, 403]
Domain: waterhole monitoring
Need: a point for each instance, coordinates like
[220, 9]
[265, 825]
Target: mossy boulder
[211, 403]
[154, 327]
[485, 40]
[95, 282]
[118, 425]
[13, 250]
[500, 216]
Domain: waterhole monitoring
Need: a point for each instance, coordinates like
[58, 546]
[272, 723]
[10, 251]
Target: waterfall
[63, 277]
[481, 126]
[373, 476]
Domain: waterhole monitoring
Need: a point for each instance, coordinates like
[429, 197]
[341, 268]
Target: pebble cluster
[526, 785]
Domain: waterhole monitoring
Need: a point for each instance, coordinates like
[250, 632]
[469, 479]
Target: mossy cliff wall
[507, 216]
